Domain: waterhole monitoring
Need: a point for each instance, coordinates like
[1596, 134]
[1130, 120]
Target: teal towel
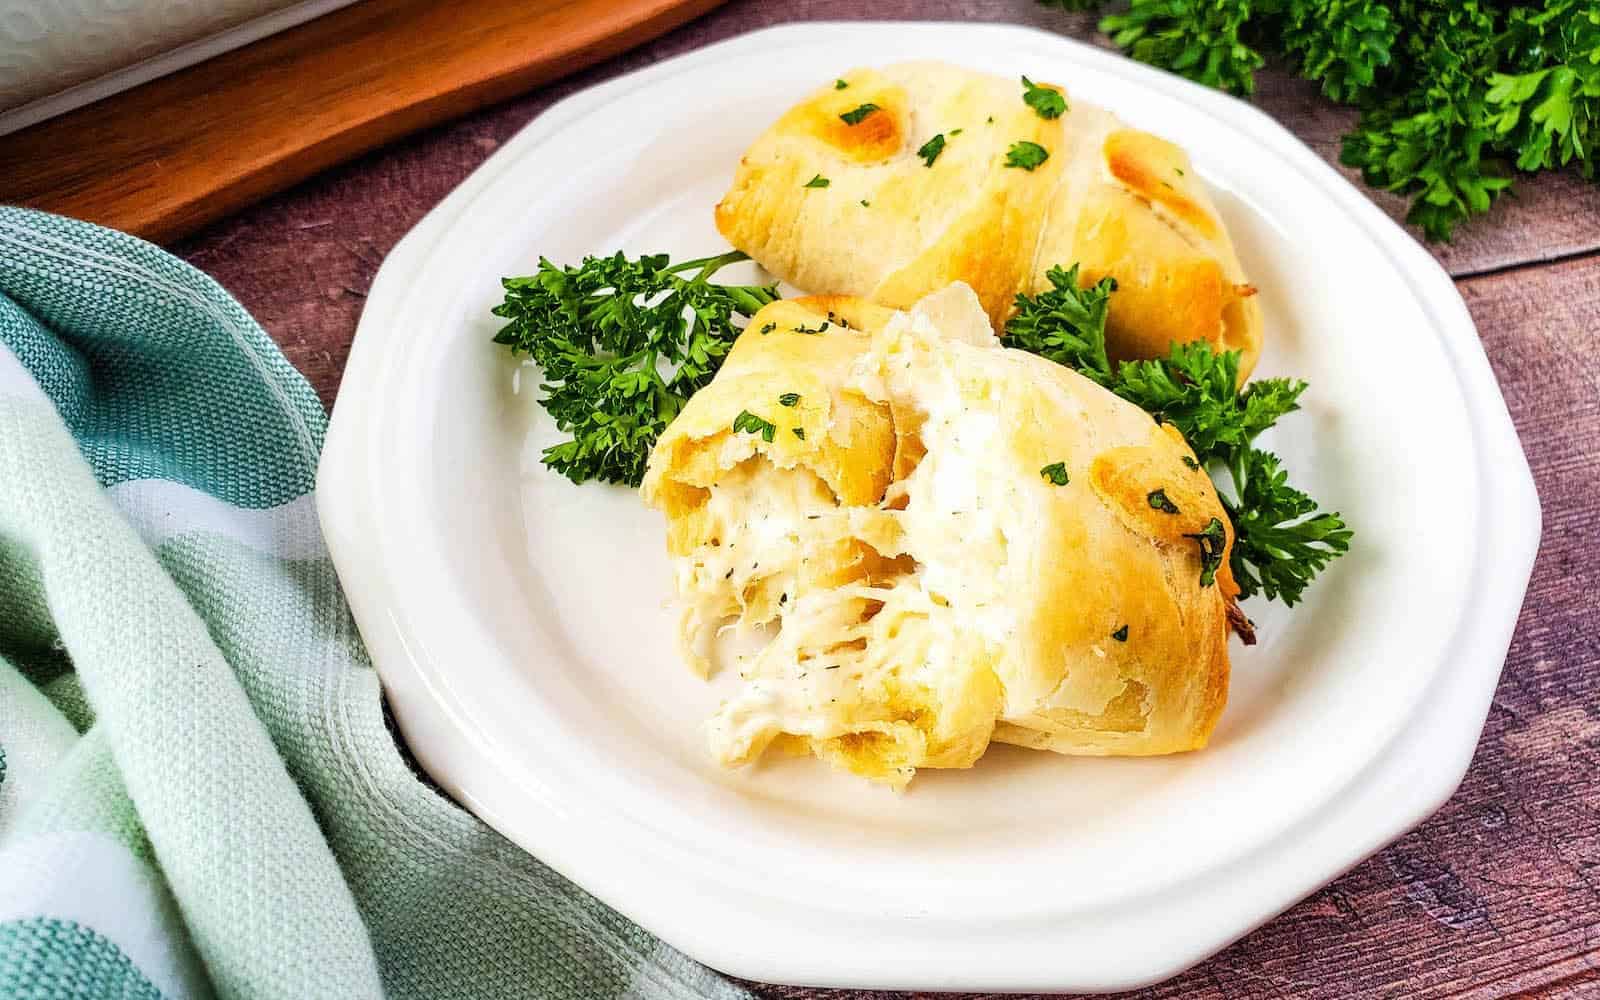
[198, 795]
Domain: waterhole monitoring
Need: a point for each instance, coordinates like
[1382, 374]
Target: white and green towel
[198, 795]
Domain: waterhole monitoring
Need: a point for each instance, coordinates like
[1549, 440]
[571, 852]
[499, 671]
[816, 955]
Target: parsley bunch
[623, 344]
[1456, 96]
[1281, 540]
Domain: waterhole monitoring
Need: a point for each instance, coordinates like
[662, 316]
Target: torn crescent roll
[947, 542]
[891, 227]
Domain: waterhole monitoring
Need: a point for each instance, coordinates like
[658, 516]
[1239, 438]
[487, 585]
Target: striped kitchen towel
[198, 794]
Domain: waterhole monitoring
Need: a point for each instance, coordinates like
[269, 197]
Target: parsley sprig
[1455, 96]
[1281, 539]
[623, 343]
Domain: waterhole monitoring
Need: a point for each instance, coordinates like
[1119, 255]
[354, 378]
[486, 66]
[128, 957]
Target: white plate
[520, 627]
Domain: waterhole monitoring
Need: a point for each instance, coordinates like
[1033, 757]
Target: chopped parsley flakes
[1055, 472]
[1212, 539]
[1046, 102]
[818, 181]
[1158, 501]
[1121, 634]
[858, 114]
[748, 423]
[1026, 155]
[789, 399]
[931, 149]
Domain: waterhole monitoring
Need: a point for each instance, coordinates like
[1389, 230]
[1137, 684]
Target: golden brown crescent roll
[892, 227]
[946, 542]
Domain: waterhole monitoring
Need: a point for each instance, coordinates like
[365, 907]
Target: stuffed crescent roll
[907, 178]
[948, 542]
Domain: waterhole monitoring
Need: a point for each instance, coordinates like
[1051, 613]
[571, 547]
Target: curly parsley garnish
[1455, 99]
[623, 344]
[1046, 102]
[1027, 155]
[931, 149]
[1281, 539]
[858, 114]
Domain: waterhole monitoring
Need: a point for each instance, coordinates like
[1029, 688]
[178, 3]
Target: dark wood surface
[185, 149]
[1498, 894]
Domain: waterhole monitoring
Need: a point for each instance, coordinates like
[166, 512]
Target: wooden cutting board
[166, 157]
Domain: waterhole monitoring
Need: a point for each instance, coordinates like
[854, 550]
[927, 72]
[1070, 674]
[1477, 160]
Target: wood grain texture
[1495, 896]
[180, 151]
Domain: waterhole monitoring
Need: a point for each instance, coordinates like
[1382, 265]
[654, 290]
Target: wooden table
[1498, 895]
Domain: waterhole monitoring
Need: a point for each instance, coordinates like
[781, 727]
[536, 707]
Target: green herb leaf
[1027, 155]
[1212, 539]
[1055, 472]
[818, 181]
[858, 114]
[1200, 39]
[623, 343]
[1158, 501]
[1066, 324]
[748, 423]
[1281, 540]
[789, 399]
[931, 149]
[1046, 102]
[839, 85]
[799, 432]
